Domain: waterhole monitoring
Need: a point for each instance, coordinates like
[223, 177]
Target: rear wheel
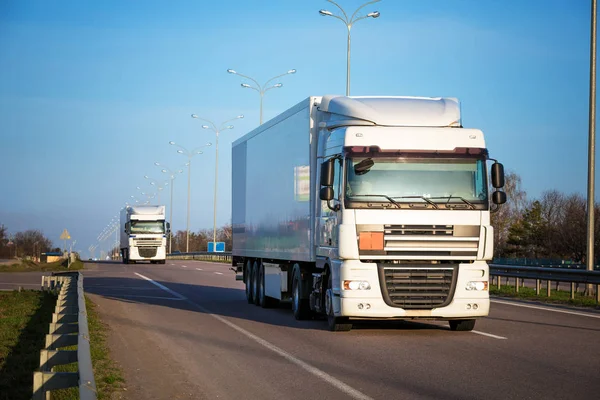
[462, 324]
[248, 268]
[255, 282]
[335, 324]
[263, 300]
[300, 306]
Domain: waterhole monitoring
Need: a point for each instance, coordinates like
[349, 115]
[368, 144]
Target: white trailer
[143, 234]
[366, 208]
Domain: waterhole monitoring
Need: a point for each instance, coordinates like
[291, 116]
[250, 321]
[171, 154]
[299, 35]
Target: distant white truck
[362, 208]
[144, 234]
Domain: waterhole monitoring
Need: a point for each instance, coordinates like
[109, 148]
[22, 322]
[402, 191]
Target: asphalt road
[185, 331]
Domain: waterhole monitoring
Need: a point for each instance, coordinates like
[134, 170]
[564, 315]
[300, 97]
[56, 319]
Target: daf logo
[472, 136]
[359, 135]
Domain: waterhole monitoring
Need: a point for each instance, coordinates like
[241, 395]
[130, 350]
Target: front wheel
[462, 324]
[335, 324]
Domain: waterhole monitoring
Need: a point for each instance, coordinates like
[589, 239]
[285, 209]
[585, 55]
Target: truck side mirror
[168, 227]
[327, 174]
[499, 197]
[326, 193]
[497, 175]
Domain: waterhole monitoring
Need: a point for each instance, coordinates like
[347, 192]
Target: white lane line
[145, 297]
[184, 266]
[173, 264]
[198, 269]
[219, 273]
[166, 289]
[350, 391]
[546, 309]
[488, 335]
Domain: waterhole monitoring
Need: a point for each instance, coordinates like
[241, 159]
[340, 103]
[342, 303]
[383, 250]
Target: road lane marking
[145, 297]
[546, 309]
[173, 264]
[350, 391]
[184, 266]
[219, 273]
[198, 269]
[488, 335]
[20, 284]
[166, 289]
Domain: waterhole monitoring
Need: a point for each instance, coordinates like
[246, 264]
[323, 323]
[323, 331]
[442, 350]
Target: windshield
[435, 182]
[147, 227]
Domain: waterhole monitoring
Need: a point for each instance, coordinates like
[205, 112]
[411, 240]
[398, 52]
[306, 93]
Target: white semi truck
[143, 234]
[362, 208]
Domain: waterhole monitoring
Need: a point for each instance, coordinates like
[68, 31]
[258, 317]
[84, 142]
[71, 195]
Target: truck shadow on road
[227, 302]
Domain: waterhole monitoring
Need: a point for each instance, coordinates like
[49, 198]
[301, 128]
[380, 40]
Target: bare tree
[508, 213]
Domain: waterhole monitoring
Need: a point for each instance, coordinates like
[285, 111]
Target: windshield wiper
[471, 205]
[394, 202]
[422, 198]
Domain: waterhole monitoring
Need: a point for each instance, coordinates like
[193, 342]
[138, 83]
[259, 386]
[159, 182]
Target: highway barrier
[224, 257]
[69, 327]
[557, 274]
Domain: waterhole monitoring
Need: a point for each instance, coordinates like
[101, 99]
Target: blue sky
[92, 92]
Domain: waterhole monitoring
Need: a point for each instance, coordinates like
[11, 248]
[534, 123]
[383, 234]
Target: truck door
[328, 221]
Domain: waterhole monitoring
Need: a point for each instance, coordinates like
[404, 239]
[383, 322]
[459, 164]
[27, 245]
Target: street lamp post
[349, 22]
[172, 176]
[216, 130]
[261, 89]
[189, 155]
[159, 186]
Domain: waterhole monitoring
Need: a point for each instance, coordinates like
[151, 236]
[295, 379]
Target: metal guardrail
[555, 274]
[69, 327]
[202, 256]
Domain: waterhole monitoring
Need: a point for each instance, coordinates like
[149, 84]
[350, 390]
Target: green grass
[30, 266]
[24, 319]
[556, 296]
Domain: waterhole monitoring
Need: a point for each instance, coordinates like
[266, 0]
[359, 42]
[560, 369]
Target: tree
[31, 243]
[528, 234]
[508, 213]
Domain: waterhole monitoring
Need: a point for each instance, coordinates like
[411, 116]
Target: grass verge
[556, 296]
[30, 266]
[24, 319]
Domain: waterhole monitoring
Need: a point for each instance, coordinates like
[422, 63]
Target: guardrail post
[498, 281]
[572, 290]
[517, 284]
[597, 293]
[538, 286]
[548, 288]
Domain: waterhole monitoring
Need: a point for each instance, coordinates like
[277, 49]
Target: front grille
[418, 287]
[147, 242]
[147, 252]
[437, 241]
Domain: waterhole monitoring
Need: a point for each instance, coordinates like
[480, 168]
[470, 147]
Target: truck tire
[255, 284]
[462, 324]
[263, 300]
[248, 269]
[335, 324]
[300, 306]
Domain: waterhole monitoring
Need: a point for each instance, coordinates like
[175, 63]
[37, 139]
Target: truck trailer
[366, 208]
[143, 234]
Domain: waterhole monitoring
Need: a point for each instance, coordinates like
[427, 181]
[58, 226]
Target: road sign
[220, 247]
[65, 235]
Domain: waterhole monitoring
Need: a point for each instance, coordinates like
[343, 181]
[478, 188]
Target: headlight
[357, 285]
[477, 285]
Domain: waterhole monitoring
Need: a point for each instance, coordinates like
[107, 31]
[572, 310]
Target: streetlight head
[229, 127]
[152, 183]
[157, 164]
[171, 142]
[278, 85]
[163, 171]
[138, 188]
[194, 116]
[146, 176]
[180, 151]
[199, 152]
[291, 71]
[181, 171]
[208, 144]
[325, 13]
[205, 126]
[240, 116]
[231, 71]
[245, 85]
[374, 14]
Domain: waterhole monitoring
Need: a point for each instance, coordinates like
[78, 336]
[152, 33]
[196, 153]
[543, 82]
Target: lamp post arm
[360, 8]
[185, 151]
[273, 78]
[269, 88]
[214, 127]
[252, 79]
[345, 21]
[224, 124]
